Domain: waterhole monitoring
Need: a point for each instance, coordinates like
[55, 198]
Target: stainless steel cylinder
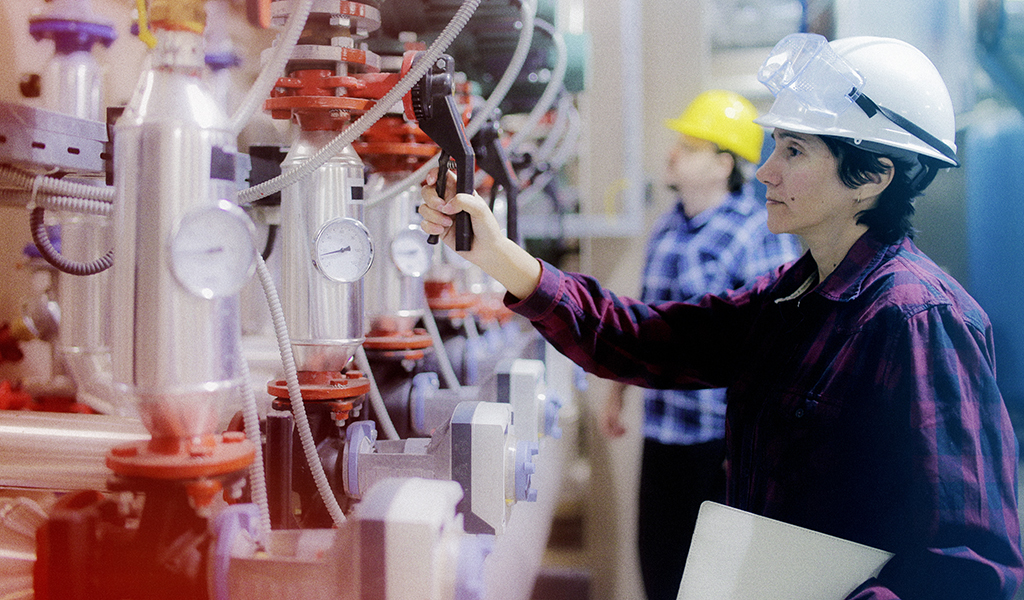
[75, 85]
[395, 280]
[175, 349]
[324, 317]
[55, 451]
[86, 313]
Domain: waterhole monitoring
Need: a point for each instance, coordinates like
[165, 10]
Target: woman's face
[695, 164]
[805, 195]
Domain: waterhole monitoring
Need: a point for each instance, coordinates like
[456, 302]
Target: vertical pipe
[325, 317]
[280, 428]
[175, 347]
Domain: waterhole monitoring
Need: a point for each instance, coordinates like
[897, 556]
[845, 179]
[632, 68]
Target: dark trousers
[674, 480]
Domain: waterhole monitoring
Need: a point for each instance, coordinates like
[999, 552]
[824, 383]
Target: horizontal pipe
[61, 451]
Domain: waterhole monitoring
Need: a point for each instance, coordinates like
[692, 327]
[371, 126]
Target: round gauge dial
[212, 250]
[410, 252]
[342, 250]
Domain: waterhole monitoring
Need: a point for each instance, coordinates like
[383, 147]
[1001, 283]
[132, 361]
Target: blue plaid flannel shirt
[720, 249]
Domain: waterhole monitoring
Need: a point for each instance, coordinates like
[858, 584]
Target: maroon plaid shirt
[865, 408]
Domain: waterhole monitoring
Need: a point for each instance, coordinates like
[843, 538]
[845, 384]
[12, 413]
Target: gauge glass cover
[343, 250]
[410, 252]
[212, 250]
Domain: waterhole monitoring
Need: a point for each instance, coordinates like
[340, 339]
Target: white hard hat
[878, 93]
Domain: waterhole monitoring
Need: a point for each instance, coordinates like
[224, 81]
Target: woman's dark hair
[889, 220]
[736, 176]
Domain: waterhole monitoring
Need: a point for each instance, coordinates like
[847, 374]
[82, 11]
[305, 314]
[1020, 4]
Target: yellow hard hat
[724, 118]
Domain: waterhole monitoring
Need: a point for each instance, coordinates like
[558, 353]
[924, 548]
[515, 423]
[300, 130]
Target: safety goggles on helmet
[805, 69]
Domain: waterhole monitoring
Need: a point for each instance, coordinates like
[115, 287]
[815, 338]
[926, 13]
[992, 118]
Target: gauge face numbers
[212, 252]
[342, 250]
[410, 252]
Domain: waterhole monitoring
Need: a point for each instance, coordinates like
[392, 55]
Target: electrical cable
[41, 237]
[284, 345]
[379, 109]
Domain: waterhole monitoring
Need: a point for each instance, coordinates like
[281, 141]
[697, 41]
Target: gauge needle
[345, 249]
[205, 251]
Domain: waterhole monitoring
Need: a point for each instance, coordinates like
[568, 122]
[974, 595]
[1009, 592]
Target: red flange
[183, 458]
[442, 296]
[339, 392]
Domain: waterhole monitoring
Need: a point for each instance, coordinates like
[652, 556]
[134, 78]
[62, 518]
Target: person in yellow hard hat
[714, 238]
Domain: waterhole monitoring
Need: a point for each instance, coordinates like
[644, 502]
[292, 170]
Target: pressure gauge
[342, 250]
[410, 252]
[212, 250]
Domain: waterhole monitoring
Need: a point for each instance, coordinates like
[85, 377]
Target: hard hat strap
[871, 109]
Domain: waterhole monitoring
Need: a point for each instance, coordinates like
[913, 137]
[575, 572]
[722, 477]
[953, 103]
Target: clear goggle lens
[805, 64]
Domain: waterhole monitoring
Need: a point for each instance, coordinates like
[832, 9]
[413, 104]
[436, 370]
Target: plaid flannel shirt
[722, 248]
[864, 406]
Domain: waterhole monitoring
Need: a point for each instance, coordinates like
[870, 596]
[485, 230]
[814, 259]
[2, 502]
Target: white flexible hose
[78, 205]
[566, 148]
[364, 122]
[527, 14]
[447, 372]
[291, 375]
[56, 187]
[269, 73]
[550, 92]
[527, 11]
[557, 131]
[257, 476]
[472, 333]
[375, 398]
[9, 197]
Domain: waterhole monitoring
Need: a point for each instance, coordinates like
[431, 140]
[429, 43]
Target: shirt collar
[846, 282]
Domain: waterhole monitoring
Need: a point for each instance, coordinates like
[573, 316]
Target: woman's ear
[727, 162]
[879, 181]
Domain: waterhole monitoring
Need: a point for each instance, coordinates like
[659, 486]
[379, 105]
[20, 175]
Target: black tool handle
[440, 186]
[438, 116]
[463, 222]
[465, 165]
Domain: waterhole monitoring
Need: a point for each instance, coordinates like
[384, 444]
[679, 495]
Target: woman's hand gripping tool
[431, 102]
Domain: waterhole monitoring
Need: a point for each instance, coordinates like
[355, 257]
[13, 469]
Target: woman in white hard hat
[714, 238]
[862, 400]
